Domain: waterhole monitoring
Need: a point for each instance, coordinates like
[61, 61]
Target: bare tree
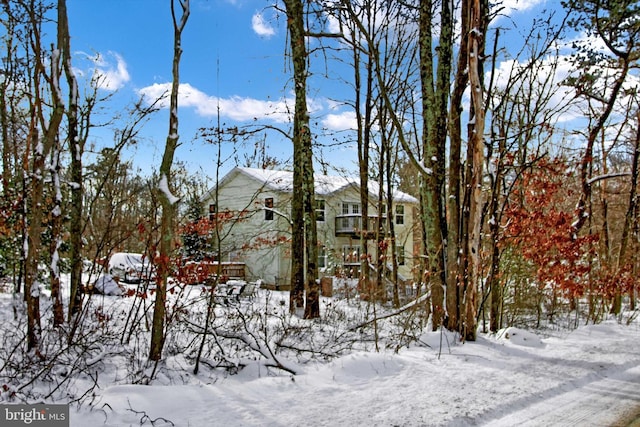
[617, 26]
[76, 148]
[166, 198]
[304, 241]
[477, 33]
[43, 134]
[435, 89]
[55, 170]
[456, 263]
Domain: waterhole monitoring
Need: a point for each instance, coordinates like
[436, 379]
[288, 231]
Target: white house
[255, 205]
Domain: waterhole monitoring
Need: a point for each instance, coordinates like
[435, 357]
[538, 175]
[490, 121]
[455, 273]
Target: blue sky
[233, 60]
[230, 60]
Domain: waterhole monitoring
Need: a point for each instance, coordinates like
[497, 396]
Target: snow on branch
[271, 360]
[163, 185]
[607, 176]
[280, 214]
[411, 304]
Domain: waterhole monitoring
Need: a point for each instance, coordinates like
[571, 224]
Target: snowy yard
[588, 376]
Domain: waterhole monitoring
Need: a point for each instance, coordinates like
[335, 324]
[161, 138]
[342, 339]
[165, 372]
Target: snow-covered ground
[589, 376]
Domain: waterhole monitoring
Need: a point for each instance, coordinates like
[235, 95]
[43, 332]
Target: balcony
[350, 225]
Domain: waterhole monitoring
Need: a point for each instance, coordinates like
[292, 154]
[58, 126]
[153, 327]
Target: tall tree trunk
[476, 146]
[391, 231]
[377, 292]
[364, 143]
[312, 300]
[455, 265]
[295, 25]
[167, 200]
[635, 249]
[56, 212]
[304, 233]
[56, 238]
[435, 94]
[33, 221]
[296, 294]
[494, 280]
[75, 150]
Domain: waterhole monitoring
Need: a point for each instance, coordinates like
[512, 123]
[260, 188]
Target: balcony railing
[351, 225]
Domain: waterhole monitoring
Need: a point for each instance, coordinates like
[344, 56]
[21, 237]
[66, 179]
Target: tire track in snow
[595, 400]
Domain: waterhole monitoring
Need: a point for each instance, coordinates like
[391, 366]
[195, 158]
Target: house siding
[264, 245]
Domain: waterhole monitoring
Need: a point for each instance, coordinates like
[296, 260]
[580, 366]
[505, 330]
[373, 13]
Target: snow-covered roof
[277, 180]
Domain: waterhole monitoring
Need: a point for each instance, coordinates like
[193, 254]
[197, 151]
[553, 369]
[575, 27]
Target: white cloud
[236, 107]
[333, 24]
[509, 7]
[589, 41]
[244, 109]
[261, 27]
[341, 121]
[108, 75]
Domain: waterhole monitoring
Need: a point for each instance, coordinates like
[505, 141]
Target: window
[320, 210]
[268, 211]
[344, 222]
[350, 208]
[212, 212]
[400, 255]
[399, 214]
[322, 257]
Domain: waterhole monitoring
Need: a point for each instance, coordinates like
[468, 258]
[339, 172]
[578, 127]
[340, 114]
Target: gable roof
[282, 181]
